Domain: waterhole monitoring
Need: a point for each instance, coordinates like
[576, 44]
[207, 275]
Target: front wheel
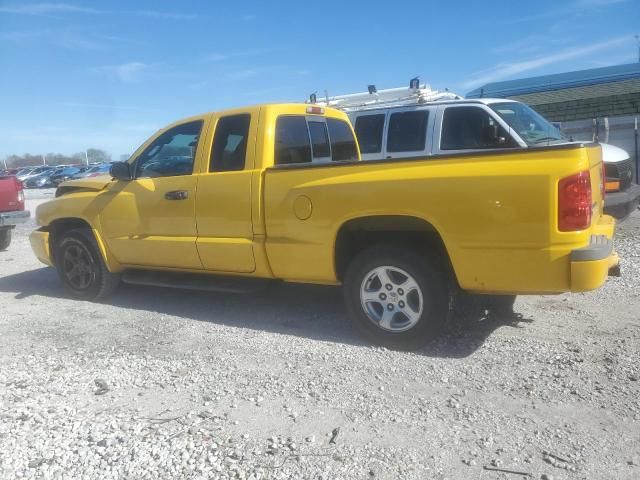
[81, 268]
[396, 297]
[5, 238]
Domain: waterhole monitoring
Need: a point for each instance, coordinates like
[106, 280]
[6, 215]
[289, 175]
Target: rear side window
[407, 131]
[468, 128]
[292, 140]
[369, 132]
[319, 139]
[343, 145]
[230, 143]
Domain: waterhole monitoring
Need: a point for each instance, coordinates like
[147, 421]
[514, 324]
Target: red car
[12, 210]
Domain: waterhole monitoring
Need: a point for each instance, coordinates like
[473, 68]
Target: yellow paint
[496, 214]
[40, 245]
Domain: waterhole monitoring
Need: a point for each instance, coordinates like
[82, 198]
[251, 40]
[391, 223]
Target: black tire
[5, 238]
[81, 267]
[434, 294]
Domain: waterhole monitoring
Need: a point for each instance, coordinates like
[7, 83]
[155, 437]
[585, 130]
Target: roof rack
[391, 97]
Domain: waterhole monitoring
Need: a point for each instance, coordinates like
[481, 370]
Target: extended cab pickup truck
[278, 192]
[12, 210]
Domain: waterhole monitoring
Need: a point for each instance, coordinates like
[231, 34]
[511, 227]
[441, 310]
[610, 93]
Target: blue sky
[75, 75]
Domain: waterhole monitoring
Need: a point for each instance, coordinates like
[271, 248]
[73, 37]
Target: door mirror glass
[491, 135]
[120, 171]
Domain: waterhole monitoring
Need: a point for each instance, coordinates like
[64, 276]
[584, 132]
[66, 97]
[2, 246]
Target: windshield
[532, 127]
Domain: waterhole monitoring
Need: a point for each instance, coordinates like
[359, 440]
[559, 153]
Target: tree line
[93, 155]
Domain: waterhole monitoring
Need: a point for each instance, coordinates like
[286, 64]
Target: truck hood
[85, 184]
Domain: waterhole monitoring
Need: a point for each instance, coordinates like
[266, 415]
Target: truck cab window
[319, 139]
[369, 132]
[292, 140]
[171, 154]
[343, 144]
[230, 143]
[407, 131]
[470, 128]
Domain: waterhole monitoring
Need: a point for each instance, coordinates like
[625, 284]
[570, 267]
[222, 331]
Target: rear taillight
[574, 202]
[20, 190]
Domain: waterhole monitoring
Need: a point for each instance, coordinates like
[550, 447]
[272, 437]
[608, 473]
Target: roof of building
[559, 81]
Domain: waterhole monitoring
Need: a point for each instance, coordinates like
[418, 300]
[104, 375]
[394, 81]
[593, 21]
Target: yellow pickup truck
[278, 192]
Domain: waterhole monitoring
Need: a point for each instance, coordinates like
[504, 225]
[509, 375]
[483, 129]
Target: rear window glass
[292, 140]
[343, 145]
[369, 132]
[407, 131]
[319, 139]
[230, 143]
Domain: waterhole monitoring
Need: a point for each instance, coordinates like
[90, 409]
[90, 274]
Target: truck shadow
[308, 311]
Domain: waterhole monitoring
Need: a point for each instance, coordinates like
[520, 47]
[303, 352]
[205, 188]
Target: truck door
[150, 220]
[224, 198]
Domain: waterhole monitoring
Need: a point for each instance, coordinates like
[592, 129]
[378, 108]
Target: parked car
[35, 171]
[93, 171]
[278, 192]
[64, 174]
[12, 210]
[41, 180]
[622, 193]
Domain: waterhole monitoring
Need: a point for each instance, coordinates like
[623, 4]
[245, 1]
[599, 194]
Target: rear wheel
[5, 238]
[396, 297]
[81, 268]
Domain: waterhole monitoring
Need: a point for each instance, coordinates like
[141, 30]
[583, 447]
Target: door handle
[176, 195]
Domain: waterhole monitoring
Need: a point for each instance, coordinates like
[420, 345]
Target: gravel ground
[160, 383]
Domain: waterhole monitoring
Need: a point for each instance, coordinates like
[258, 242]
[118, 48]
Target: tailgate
[8, 194]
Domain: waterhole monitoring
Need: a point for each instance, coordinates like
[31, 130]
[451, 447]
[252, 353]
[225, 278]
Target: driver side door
[149, 221]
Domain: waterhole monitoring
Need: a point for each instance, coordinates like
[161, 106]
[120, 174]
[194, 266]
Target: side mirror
[120, 171]
[490, 134]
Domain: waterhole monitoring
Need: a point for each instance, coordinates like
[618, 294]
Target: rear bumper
[591, 265]
[40, 245]
[11, 219]
[621, 204]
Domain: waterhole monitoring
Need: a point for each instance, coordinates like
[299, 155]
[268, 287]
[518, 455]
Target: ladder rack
[415, 94]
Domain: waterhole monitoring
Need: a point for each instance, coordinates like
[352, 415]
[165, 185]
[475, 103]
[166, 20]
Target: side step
[196, 281]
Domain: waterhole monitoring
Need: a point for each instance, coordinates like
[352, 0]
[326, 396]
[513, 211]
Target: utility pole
[637, 37]
[86, 158]
[44, 160]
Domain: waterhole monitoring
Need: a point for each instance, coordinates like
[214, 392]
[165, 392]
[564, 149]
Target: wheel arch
[58, 226]
[359, 233]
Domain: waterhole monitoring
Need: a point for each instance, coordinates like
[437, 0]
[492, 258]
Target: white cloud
[572, 8]
[506, 70]
[167, 15]
[215, 57]
[48, 8]
[219, 57]
[104, 106]
[243, 74]
[597, 3]
[126, 72]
